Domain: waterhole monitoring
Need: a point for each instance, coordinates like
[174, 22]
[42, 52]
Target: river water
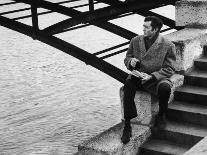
[50, 101]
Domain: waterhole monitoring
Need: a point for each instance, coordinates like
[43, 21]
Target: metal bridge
[77, 19]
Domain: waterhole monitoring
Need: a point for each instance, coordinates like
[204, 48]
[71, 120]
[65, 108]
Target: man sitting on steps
[151, 59]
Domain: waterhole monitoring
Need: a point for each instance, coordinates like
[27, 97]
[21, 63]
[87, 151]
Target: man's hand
[133, 62]
[146, 77]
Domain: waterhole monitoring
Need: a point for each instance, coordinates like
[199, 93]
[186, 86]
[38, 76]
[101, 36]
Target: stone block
[191, 13]
[109, 142]
[189, 44]
[199, 148]
[147, 104]
[177, 81]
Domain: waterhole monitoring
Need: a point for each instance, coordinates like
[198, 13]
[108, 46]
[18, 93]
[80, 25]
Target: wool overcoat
[159, 60]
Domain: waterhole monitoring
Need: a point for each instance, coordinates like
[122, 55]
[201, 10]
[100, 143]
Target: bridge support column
[91, 5]
[34, 19]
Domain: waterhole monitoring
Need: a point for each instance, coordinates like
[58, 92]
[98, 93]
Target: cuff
[153, 79]
[137, 67]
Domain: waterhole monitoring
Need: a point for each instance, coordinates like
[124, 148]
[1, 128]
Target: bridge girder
[110, 12]
[102, 14]
[66, 47]
[97, 17]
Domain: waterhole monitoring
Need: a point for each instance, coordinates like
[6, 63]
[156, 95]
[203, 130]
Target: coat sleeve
[168, 66]
[129, 55]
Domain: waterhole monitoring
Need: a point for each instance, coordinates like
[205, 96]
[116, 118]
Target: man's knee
[164, 89]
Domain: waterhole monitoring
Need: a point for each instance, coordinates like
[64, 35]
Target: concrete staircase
[187, 115]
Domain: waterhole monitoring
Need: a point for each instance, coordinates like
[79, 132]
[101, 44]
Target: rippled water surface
[50, 101]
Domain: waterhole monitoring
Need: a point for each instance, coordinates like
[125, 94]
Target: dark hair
[155, 22]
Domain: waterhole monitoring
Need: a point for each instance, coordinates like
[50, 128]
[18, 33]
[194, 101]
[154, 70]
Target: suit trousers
[130, 88]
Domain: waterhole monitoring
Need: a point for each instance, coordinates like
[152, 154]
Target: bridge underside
[100, 17]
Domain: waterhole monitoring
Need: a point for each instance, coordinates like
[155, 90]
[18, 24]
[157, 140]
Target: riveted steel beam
[146, 12]
[35, 25]
[104, 13]
[8, 3]
[91, 5]
[66, 47]
[112, 48]
[101, 14]
[52, 6]
[14, 11]
[47, 12]
[116, 29]
[102, 24]
[28, 8]
[34, 16]
[111, 2]
[117, 2]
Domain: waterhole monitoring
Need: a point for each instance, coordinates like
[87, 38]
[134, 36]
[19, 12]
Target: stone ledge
[109, 142]
[191, 13]
[186, 35]
[189, 44]
[199, 148]
[147, 104]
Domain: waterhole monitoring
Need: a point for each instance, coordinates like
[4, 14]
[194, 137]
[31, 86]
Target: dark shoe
[160, 121]
[127, 133]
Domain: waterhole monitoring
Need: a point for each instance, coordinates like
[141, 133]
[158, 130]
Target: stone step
[187, 112]
[196, 78]
[162, 147]
[193, 94]
[201, 63]
[181, 133]
[109, 141]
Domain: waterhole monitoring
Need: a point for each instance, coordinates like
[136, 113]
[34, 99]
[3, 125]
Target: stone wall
[191, 13]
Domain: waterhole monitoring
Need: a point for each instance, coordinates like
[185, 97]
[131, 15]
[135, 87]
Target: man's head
[152, 26]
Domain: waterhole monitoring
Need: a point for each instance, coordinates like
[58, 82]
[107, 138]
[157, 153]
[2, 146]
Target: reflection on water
[50, 102]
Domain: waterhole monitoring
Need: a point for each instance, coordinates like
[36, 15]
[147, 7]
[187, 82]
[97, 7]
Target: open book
[139, 74]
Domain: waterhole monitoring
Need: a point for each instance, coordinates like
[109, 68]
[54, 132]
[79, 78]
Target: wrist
[137, 66]
[153, 78]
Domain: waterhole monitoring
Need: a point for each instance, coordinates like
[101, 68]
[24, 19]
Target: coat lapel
[142, 46]
[154, 46]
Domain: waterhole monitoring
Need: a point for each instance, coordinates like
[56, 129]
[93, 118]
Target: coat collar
[152, 48]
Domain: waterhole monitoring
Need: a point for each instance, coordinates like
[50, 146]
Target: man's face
[147, 29]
